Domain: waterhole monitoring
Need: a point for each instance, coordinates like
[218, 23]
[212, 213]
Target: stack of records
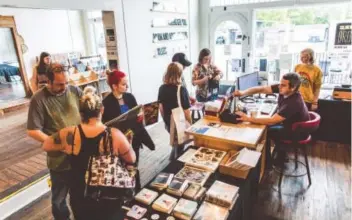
[208, 211]
[206, 158]
[185, 209]
[193, 175]
[222, 194]
[146, 196]
[177, 186]
[164, 203]
[162, 181]
[194, 192]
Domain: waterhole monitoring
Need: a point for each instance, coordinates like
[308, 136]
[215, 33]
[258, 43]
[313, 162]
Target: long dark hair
[42, 67]
[203, 53]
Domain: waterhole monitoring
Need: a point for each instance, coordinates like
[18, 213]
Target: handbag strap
[73, 139]
[179, 96]
[110, 140]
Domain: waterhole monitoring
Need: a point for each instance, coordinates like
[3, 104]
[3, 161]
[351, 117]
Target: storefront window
[96, 27]
[289, 31]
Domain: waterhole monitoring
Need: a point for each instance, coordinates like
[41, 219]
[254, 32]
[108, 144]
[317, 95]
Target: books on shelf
[146, 196]
[177, 186]
[193, 175]
[208, 211]
[206, 158]
[162, 181]
[185, 209]
[222, 194]
[164, 203]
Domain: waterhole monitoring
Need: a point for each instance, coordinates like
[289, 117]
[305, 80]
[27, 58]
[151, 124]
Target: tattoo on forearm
[69, 138]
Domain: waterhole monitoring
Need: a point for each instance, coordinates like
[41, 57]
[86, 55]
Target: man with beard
[52, 108]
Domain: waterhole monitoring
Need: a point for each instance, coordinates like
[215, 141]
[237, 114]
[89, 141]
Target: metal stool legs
[306, 164]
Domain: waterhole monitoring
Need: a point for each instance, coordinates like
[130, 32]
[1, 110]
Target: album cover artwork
[193, 175]
[151, 113]
[206, 158]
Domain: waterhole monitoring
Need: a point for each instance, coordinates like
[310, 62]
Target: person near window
[52, 108]
[120, 101]
[206, 77]
[311, 77]
[39, 78]
[291, 108]
[167, 98]
[81, 142]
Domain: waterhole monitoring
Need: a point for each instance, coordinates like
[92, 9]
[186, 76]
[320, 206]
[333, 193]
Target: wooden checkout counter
[227, 136]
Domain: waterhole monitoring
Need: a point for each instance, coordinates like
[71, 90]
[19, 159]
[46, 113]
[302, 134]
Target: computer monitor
[247, 81]
[226, 88]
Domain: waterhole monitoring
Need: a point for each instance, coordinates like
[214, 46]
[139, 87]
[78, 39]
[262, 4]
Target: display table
[243, 206]
[231, 137]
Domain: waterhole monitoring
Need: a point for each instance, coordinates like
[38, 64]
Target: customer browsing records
[82, 142]
[52, 108]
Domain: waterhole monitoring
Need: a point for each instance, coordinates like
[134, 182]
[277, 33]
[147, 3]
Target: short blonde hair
[173, 74]
[310, 53]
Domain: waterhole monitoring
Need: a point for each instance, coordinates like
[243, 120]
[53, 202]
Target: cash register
[343, 92]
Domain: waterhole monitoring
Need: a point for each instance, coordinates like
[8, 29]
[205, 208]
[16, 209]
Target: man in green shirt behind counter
[52, 108]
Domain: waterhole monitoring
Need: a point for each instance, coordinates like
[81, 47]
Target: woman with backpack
[83, 143]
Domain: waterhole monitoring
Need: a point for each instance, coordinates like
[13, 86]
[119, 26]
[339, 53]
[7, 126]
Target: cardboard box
[230, 171]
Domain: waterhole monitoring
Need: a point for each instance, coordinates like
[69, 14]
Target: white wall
[134, 34]
[54, 31]
[194, 32]
[146, 71]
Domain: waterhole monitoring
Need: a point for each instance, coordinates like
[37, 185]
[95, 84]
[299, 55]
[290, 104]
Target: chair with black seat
[301, 139]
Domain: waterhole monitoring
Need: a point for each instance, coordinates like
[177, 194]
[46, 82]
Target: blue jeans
[59, 191]
[275, 133]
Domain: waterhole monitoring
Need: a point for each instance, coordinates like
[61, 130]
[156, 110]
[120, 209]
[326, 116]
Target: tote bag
[109, 178]
[178, 123]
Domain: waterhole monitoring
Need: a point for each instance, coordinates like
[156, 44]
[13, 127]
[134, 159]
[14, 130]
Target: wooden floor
[329, 197]
[10, 92]
[151, 163]
[21, 158]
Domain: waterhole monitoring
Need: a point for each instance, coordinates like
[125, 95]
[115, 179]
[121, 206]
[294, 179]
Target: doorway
[13, 82]
[228, 49]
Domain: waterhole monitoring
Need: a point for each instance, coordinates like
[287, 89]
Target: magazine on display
[222, 194]
[146, 196]
[151, 113]
[128, 120]
[177, 186]
[206, 158]
[192, 191]
[193, 175]
[164, 203]
[186, 156]
[185, 209]
[162, 180]
[208, 211]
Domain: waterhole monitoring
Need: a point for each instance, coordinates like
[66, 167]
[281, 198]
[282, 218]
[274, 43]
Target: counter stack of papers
[244, 159]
